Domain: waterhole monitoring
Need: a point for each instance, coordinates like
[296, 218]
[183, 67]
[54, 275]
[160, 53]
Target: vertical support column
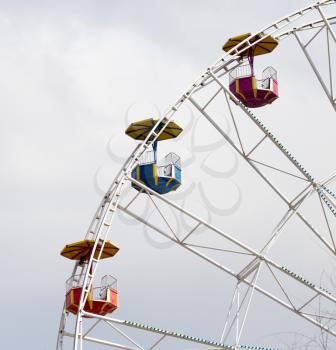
[224, 337]
[237, 314]
[59, 345]
[78, 343]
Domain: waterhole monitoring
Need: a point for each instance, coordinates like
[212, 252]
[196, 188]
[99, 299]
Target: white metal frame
[102, 220]
[257, 260]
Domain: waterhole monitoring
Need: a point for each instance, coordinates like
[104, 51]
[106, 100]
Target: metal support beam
[247, 282]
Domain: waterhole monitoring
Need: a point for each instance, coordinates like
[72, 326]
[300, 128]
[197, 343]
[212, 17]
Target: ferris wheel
[231, 82]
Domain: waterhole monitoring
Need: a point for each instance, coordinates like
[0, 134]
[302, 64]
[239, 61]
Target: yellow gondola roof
[140, 130]
[82, 250]
[264, 46]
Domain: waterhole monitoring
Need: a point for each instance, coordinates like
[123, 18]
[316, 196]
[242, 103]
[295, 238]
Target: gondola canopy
[82, 250]
[140, 130]
[264, 46]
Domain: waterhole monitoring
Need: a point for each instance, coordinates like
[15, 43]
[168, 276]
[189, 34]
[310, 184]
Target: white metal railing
[107, 282]
[167, 165]
[268, 74]
[99, 292]
[240, 72]
[245, 71]
[165, 170]
[147, 157]
[172, 158]
[74, 282]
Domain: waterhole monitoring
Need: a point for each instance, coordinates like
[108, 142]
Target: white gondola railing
[245, 71]
[98, 293]
[268, 74]
[147, 157]
[241, 71]
[74, 282]
[170, 166]
[107, 282]
[172, 158]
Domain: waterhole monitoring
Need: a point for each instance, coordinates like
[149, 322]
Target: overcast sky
[71, 73]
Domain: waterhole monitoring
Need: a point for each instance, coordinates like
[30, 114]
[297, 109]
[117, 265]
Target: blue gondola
[163, 176]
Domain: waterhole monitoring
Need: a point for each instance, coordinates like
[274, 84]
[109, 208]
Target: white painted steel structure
[211, 84]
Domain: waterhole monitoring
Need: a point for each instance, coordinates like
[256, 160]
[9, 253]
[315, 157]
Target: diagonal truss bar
[327, 91]
[240, 303]
[157, 342]
[327, 23]
[279, 227]
[260, 258]
[231, 239]
[283, 290]
[255, 166]
[277, 169]
[324, 23]
[123, 334]
[171, 334]
[101, 342]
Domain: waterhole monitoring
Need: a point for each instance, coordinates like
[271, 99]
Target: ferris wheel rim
[125, 170]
